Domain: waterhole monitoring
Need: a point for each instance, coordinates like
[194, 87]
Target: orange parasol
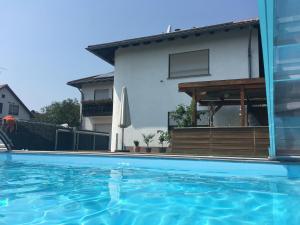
[9, 118]
[9, 122]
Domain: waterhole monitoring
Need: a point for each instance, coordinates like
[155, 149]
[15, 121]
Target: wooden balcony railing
[97, 108]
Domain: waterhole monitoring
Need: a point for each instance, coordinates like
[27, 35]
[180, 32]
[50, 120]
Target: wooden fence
[221, 141]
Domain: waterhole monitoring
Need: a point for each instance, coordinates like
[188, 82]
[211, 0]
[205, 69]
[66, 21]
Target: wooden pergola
[216, 94]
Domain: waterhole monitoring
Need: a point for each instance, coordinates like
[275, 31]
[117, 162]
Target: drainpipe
[81, 99]
[250, 53]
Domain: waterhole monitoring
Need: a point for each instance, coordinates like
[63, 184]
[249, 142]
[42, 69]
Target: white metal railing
[76, 137]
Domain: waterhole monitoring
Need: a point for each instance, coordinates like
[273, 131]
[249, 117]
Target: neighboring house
[96, 101]
[10, 104]
[152, 67]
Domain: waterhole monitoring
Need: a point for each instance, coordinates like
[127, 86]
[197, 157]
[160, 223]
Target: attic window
[187, 64]
[3, 95]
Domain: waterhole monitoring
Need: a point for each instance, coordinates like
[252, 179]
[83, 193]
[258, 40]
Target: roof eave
[78, 84]
[74, 85]
[93, 50]
[108, 49]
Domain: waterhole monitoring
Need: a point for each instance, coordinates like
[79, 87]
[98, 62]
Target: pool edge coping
[154, 156]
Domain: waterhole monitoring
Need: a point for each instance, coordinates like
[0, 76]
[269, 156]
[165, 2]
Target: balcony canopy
[226, 92]
[218, 93]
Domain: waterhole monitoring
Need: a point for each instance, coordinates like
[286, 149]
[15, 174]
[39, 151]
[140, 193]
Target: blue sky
[42, 42]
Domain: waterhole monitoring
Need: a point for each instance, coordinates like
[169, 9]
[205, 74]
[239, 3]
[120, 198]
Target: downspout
[81, 99]
[249, 70]
[250, 53]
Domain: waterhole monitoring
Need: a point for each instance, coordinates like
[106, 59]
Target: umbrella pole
[122, 138]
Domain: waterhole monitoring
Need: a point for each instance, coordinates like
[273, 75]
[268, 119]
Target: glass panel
[287, 76]
[287, 98]
[287, 22]
[287, 62]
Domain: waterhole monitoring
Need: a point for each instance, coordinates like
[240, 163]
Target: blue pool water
[52, 189]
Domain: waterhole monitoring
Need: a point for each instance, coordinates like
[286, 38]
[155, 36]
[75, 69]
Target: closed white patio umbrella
[124, 113]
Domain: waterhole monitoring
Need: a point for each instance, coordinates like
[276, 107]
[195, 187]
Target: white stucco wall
[9, 98]
[144, 71]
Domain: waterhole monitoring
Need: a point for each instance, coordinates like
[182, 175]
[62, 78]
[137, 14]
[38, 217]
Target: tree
[183, 115]
[67, 111]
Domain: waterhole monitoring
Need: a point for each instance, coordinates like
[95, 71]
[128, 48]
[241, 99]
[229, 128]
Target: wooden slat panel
[237, 141]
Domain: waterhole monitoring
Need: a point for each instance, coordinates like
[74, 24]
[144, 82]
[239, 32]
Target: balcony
[97, 108]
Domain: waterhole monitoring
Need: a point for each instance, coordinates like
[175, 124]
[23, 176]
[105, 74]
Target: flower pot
[148, 150]
[137, 149]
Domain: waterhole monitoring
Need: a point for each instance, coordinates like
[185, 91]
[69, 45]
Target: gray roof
[106, 51]
[106, 77]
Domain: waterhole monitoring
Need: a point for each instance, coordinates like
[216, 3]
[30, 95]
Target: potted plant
[136, 146]
[164, 136]
[148, 139]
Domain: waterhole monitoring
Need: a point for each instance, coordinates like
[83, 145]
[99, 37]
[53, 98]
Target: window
[187, 64]
[1, 107]
[101, 94]
[13, 109]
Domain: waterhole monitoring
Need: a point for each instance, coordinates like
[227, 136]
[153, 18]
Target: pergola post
[194, 109]
[242, 109]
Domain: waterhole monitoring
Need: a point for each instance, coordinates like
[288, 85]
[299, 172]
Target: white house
[96, 101]
[152, 67]
[10, 104]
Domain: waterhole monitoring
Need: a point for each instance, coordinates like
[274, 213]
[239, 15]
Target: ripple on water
[47, 194]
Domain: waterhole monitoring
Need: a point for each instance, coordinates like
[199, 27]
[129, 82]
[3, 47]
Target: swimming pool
[69, 189]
